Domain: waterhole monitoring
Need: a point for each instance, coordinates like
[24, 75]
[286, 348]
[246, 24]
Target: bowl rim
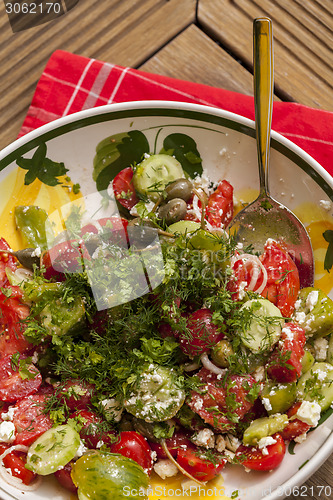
[6, 153]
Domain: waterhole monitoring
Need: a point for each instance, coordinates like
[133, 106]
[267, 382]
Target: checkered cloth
[71, 83]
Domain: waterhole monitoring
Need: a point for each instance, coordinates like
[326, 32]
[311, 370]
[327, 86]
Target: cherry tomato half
[64, 478]
[90, 431]
[133, 445]
[254, 458]
[123, 188]
[180, 439]
[201, 334]
[199, 467]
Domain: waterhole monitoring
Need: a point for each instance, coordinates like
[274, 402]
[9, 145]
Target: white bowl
[226, 143]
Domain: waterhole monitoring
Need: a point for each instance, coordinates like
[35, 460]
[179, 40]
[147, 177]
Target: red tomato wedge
[15, 461]
[294, 427]
[219, 210]
[29, 420]
[223, 403]
[291, 345]
[13, 385]
[123, 188]
[282, 278]
[255, 459]
[199, 467]
[133, 445]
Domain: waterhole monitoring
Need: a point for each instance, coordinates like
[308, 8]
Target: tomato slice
[220, 207]
[15, 461]
[294, 427]
[201, 333]
[133, 445]
[12, 316]
[123, 188]
[194, 462]
[291, 344]
[223, 403]
[255, 459]
[12, 385]
[282, 278]
[29, 420]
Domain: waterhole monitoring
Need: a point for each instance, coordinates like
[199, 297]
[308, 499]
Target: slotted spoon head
[265, 217]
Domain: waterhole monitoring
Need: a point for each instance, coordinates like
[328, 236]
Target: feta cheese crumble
[309, 412]
[7, 432]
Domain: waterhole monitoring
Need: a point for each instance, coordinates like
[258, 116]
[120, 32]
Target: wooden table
[206, 41]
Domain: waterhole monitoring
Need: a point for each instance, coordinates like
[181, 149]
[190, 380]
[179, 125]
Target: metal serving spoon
[265, 217]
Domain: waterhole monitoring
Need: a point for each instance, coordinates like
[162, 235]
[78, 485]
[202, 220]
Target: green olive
[220, 353]
[181, 188]
[173, 211]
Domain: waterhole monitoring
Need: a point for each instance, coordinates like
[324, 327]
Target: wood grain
[125, 33]
[193, 56]
[302, 42]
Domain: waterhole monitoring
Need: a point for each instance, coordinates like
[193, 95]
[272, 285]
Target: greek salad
[149, 342]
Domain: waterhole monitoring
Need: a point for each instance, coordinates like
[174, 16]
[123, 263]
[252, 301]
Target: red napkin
[71, 83]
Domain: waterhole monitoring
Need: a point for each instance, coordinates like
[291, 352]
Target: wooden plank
[193, 56]
[302, 38]
[125, 33]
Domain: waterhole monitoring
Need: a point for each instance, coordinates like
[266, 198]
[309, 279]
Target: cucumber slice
[263, 427]
[53, 450]
[154, 173]
[317, 385]
[262, 324]
[307, 361]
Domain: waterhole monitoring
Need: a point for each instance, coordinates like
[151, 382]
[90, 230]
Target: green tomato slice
[104, 476]
[156, 397]
[53, 450]
[262, 324]
[154, 173]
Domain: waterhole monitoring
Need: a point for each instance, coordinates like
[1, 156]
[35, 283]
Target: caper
[173, 211]
[181, 188]
[220, 353]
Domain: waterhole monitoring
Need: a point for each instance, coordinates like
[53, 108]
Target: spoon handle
[263, 68]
